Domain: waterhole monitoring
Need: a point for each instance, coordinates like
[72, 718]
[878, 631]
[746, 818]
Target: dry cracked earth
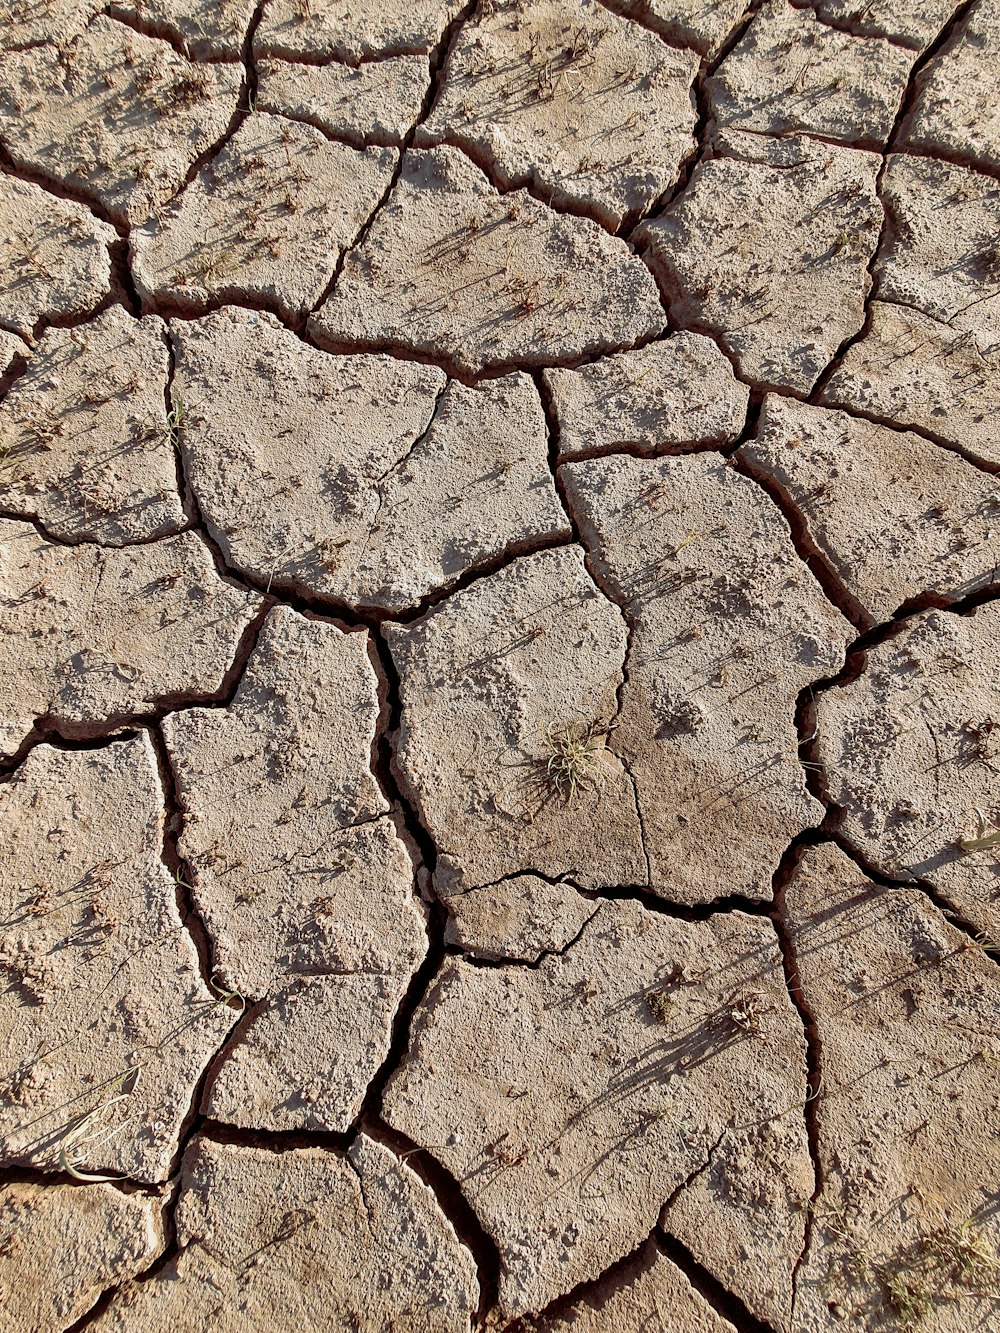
[500, 665]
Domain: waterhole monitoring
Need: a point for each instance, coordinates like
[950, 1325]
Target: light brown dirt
[108, 1022]
[577, 62]
[131, 627]
[459, 273]
[244, 232]
[914, 371]
[790, 76]
[326, 1241]
[103, 1237]
[117, 116]
[772, 257]
[590, 1110]
[53, 257]
[85, 437]
[499, 717]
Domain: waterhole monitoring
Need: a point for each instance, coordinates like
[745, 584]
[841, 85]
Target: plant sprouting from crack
[166, 432]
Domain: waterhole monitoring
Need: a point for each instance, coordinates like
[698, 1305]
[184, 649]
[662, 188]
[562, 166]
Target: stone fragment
[572, 1100]
[85, 438]
[206, 29]
[107, 1022]
[306, 487]
[913, 23]
[340, 30]
[95, 636]
[508, 690]
[28, 23]
[728, 625]
[906, 1015]
[453, 270]
[595, 113]
[704, 25]
[374, 103]
[942, 255]
[303, 884]
[61, 1247]
[772, 259]
[956, 113]
[895, 517]
[304, 1239]
[909, 753]
[265, 221]
[652, 1294]
[916, 371]
[12, 350]
[793, 74]
[54, 260]
[519, 919]
[114, 114]
[679, 393]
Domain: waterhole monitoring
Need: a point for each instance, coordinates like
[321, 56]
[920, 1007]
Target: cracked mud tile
[325, 30]
[303, 884]
[895, 516]
[910, 752]
[772, 258]
[518, 919]
[942, 255]
[956, 112]
[374, 103]
[93, 636]
[791, 73]
[85, 443]
[508, 690]
[728, 625]
[54, 260]
[905, 1231]
[652, 1294]
[913, 23]
[454, 270]
[305, 486]
[593, 111]
[679, 393]
[31, 22]
[206, 29]
[102, 978]
[265, 221]
[115, 115]
[572, 1101]
[703, 25]
[304, 1239]
[62, 1246]
[915, 371]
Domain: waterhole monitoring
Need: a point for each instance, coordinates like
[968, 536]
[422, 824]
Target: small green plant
[573, 760]
[659, 1004]
[230, 998]
[166, 432]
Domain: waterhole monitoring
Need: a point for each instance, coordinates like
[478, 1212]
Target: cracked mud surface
[499, 666]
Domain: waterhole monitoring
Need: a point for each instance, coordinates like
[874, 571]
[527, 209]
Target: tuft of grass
[573, 760]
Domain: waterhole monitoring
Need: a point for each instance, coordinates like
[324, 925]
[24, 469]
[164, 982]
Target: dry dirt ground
[500, 666]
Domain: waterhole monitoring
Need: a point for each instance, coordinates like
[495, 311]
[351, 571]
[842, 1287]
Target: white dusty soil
[499, 666]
